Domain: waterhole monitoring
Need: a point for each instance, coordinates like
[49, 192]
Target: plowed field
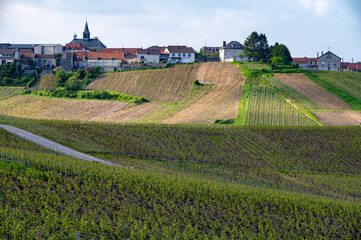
[314, 92]
[221, 102]
[65, 109]
[161, 85]
[344, 118]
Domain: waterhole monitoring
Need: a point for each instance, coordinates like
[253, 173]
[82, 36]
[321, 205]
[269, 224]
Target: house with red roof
[306, 63]
[180, 54]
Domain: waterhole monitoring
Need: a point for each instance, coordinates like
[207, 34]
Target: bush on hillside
[73, 83]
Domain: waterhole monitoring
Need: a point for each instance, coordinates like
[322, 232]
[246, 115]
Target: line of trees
[256, 48]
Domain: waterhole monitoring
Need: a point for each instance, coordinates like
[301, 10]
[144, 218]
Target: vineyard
[276, 157]
[162, 85]
[69, 198]
[46, 82]
[6, 92]
[265, 108]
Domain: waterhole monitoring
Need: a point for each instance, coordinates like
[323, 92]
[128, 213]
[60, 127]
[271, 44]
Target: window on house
[184, 54]
[189, 55]
[141, 57]
[323, 63]
[173, 54]
[179, 54]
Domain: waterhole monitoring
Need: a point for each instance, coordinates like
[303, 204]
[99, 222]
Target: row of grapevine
[265, 108]
[63, 197]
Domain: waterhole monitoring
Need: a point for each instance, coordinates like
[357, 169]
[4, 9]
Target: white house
[148, 55]
[329, 61]
[230, 52]
[6, 56]
[180, 54]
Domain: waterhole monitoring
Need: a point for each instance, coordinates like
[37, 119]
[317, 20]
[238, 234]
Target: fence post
[39, 235]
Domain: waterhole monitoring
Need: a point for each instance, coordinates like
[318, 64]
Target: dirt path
[55, 146]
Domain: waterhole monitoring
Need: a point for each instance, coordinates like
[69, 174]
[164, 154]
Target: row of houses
[89, 52]
[327, 62]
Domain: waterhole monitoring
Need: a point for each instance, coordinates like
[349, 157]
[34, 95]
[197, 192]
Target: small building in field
[180, 54]
[329, 62]
[230, 52]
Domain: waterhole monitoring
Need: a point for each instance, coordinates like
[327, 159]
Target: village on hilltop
[91, 52]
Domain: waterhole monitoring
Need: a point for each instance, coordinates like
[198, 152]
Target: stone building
[329, 62]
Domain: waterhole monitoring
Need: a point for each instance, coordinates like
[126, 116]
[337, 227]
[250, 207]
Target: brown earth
[64, 109]
[221, 102]
[343, 118]
[314, 92]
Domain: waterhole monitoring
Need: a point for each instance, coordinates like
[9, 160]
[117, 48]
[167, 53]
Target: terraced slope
[162, 85]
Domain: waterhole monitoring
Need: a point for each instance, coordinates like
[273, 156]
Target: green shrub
[73, 83]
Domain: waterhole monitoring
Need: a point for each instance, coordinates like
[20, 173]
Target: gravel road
[54, 146]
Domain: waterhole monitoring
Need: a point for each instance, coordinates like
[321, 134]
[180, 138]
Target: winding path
[55, 146]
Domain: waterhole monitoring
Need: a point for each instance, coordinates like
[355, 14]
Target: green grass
[6, 92]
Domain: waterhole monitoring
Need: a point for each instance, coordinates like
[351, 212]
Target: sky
[304, 26]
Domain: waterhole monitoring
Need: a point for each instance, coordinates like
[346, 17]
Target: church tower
[86, 33]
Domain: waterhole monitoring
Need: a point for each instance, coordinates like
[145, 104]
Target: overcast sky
[305, 26]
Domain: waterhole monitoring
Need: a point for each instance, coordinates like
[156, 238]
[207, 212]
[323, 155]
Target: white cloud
[320, 7]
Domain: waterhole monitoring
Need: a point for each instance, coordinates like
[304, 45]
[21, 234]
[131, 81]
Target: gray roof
[92, 42]
[23, 46]
[6, 51]
[329, 52]
[233, 45]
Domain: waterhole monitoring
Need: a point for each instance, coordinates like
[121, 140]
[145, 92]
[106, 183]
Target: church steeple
[86, 33]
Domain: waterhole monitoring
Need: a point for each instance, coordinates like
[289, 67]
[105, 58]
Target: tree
[214, 55]
[263, 47]
[256, 47]
[73, 83]
[280, 50]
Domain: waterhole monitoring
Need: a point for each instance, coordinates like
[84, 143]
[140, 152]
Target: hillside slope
[330, 109]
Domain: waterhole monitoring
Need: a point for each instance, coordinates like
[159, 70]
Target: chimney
[317, 55]
[224, 43]
[321, 53]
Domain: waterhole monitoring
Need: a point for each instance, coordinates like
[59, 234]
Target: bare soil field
[343, 118]
[314, 92]
[64, 109]
[221, 102]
